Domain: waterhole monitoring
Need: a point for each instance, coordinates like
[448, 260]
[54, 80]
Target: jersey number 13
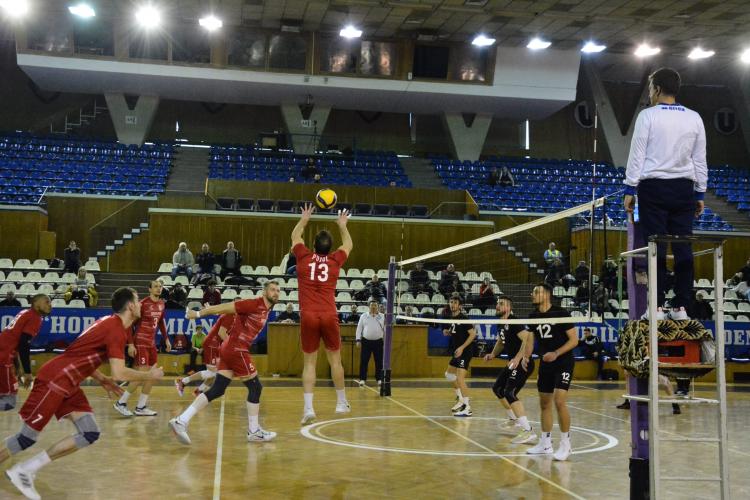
[318, 271]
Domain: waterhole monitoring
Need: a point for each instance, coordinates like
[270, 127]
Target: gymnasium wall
[23, 233]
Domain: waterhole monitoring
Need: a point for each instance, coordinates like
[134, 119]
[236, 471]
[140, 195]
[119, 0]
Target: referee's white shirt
[371, 327]
[669, 142]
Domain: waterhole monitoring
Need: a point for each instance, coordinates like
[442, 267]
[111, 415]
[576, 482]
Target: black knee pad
[254, 388]
[217, 390]
[510, 395]
[497, 390]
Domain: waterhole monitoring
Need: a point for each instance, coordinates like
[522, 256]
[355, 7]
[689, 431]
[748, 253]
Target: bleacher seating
[364, 168]
[26, 279]
[549, 186]
[31, 166]
[732, 184]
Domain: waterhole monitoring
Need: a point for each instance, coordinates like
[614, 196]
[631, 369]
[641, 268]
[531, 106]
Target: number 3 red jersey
[317, 276]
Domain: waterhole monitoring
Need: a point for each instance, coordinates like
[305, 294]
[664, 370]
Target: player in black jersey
[462, 350]
[518, 343]
[556, 344]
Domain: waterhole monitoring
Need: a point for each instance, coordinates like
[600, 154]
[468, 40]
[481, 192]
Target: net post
[385, 386]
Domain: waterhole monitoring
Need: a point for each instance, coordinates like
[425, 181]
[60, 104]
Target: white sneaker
[456, 407]
[463, 412]
[509, 426]
[361, 383]
[144, 412]
[678, 314]
[541, 448]
[260, 435]
[180, 430]
[24, 481]
[524, 437]
[179, 386]
[563, 451]
[122, 409]
[380, 382]
[660, 316]
[343, 407]
[308, 417]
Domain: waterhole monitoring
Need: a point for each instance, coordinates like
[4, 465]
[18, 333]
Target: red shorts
[315, 326]
[210, 355]
[43, 403]
[238, 361]
[146, 356]
[8, 382]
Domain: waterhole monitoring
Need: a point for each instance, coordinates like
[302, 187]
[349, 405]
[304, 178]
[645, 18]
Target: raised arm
[218, 309]
[299, 229]
[346, 240]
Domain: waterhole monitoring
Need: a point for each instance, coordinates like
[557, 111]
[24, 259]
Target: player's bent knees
[450, 376]
[88, 431]
[254, 389]
[218, 388]
[24, 439]
[509, 394]
[7, 402]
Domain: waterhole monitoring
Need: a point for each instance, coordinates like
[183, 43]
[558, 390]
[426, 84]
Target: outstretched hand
[113, 390]
[307, 211]
[344, 215]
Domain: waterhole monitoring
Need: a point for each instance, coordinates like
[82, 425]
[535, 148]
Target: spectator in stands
[164, 291]
[582, 295]
[182, 261]
[702, 310]
[592, 348]
[231, 260]
[554, 273]
[448, 277]
[352, 317]
[82, 289]
[180, 344]
[177, 297]
[381, 308]
[292, 180]
[375, 289]
[310, 170]
[211, 296]
[494, 177]
[581, 272]
[486, 298]
[551, 255]
[72, 258]
[419, 280]
[288, 316]
[608, 274]
[745, 272]
[205, 261]
[738, 286]
[10, 300]
[408, 311]
[291, 265]
[196, 346]
[317, 178]
[506, 178]
[392, 184]
[601, 300]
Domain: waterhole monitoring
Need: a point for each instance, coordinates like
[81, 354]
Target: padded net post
[385, 387]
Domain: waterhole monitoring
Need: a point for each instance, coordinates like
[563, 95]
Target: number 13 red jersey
[317, 276]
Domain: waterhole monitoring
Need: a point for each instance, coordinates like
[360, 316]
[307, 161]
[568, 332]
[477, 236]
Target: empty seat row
[289, 206]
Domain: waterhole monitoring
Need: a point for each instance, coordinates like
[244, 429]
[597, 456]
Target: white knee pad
[450, 376]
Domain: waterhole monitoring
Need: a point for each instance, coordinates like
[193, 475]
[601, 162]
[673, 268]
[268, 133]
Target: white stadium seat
[92, 265]
[195, 293]
[353, 273]
[59, 303]
[194, 305]
[22, 264]
[246, 270]
[6, 263]
[247, 294]
[68, 278]
[40, 264]
[77, 303]
[7, 287]
[165, 267]
[166, 280]
[181, 280]
[27, 289]
[229, 294]
[383, 274]
[368, 273]
[16, 276]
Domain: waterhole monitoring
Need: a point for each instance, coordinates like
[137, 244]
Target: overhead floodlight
[482, 40]
[538, 44]
[15, 8]
[148, 16]
[350, 32]
[211, 23]
[699, 53]
[83, 10]
[745, 57]
[592, 48]
[645, 50]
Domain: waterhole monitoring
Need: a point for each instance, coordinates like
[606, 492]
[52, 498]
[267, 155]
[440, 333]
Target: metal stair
[112, 247]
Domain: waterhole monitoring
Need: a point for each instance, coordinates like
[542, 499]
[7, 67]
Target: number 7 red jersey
[317, 276]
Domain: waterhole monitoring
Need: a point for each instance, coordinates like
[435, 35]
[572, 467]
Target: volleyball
[326, 198]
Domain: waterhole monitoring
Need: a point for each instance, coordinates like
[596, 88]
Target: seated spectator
[83, 290]
[72, 258]
[551, 255]
[702, 310]
[196, 347]
[182, 261]
[582, 295]
[164, 292]
[392, 184]
[419, 280]
[291, 265]
[292, 180]
[448, 277]
[317, 179]
[554, 273]
[180, 344]
[581, 272]
[408, 311]
[373, 288]
[506, 178]
[211, 296]
[205, 261]
[231, 260]
[381, 308]
[601, 300]
[486, 298]
[288, 316]
[351, 317]
[177, 297]
[310, 170]
[76, 293]
[592, 348]
[608, 275]
[568, 281]
[10, 300]
[745, 272]
[493, 177]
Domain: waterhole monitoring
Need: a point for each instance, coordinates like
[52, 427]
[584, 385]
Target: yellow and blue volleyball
[326, 198]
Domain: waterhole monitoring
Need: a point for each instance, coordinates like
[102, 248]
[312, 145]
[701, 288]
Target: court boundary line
[480, 445]
[219, 453]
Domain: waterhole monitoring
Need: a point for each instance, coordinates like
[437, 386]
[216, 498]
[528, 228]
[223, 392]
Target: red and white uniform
[152, 317]
[212, 342]
[317, 276]
[56, 388]
[27, 321]
[250, 317]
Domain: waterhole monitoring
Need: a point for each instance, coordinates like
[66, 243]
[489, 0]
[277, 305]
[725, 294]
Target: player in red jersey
[211, 346]
[143, 350]
[16, 340]
[317, 273]
[57, 391]
[234, 361]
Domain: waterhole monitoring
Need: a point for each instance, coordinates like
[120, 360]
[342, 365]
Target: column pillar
[132, 125]
[305, 128]
[467, 139]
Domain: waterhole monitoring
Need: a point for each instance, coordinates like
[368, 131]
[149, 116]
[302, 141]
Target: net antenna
[510, 262]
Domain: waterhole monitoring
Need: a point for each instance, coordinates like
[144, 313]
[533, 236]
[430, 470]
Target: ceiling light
[538, 44]
[148, 16]
[211, 23]
[645, 50]
[82, 10]
[482, 40]
[350, 32]
[699, 53]
[592, 48]
[745, 57]
[15, 8]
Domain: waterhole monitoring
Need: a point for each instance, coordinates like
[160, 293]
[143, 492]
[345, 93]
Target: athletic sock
[523, 422]
[124, 398]
[252, 416]
[511, 414]
[207, 374]
[143, 400]
[36, 462]
[308, 401]
[565, 436]
[459, 395]
[340, 396]
[186, 380]
[547, 438]
[198, 404]
[466, 401]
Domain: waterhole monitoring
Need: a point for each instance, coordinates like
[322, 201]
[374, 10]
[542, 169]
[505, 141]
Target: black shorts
[464, 360]
[512, 379]
[555, 375]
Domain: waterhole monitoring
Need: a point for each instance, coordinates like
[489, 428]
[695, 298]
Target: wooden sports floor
[408, 446]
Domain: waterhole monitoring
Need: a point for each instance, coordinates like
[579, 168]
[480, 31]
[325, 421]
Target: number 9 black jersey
[552, 336]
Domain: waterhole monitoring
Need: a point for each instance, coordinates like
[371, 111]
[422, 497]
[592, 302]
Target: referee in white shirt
[370, 331]
[667, 170]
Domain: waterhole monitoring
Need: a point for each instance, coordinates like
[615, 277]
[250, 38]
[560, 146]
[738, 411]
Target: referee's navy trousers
[370, 348]
[667, 206]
